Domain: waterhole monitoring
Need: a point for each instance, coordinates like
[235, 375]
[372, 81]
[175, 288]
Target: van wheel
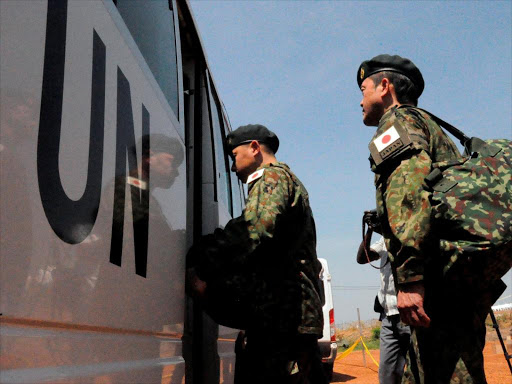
[328, 368]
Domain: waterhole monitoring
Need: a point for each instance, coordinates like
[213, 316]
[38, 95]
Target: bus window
[151, 24]
[221, 164]
[236, 192]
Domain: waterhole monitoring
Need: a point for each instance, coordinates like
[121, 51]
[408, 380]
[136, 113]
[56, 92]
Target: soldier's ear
[384, 86]
[255, 147]
[148, 158]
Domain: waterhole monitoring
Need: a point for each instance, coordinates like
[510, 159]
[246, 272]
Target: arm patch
[255, 176]
[389, 144]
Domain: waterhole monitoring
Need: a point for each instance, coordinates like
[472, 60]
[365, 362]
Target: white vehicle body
[93, 233]
[327, 344]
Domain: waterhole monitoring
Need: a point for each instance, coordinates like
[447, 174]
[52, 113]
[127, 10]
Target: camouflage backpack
[472, 202]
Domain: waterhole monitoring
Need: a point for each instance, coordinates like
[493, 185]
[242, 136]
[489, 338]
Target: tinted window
[236, 192]
[151, 24]
[221, 163]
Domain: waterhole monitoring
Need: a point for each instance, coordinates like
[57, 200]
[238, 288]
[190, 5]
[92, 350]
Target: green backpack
[472, 203]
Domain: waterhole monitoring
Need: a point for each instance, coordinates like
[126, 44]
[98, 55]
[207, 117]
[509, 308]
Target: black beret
[389, 63]
[247, 133]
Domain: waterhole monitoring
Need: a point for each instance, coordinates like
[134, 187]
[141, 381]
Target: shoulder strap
[450, 128]
[471, 145]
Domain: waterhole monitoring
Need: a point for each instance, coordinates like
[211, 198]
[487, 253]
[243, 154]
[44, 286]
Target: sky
[292, 65]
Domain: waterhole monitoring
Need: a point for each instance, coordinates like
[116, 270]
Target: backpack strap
[471, 145]
[450, 128]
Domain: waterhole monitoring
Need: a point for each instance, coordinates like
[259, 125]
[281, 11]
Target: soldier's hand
[372, 220]
[410, 305]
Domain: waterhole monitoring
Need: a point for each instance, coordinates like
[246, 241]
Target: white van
[327, 344]
[112, 161]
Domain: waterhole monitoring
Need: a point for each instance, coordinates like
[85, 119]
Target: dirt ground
[352, 370]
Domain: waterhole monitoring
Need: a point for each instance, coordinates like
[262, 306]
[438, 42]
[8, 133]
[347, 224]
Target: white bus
[112, 162]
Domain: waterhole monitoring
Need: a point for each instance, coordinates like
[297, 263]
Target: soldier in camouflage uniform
[447, 310]
[260, 273]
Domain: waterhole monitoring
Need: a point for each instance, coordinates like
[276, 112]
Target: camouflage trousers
[436, 356]
[450, 350]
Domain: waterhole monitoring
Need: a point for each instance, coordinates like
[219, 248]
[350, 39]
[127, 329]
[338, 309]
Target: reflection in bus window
[151, 24]
[221, 164]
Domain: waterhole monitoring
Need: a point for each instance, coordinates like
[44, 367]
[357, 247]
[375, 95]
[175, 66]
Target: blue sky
[291, 65]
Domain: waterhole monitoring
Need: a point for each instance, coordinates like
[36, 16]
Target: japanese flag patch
[255, 175]
[391, 142]
[136, 182]
[386, 139]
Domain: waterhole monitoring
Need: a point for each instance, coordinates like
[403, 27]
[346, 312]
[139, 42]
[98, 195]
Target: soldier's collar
[386, 114]
[261, 170]
[274, 164]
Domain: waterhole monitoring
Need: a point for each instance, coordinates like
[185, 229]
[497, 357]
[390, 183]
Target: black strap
[414, 363]
[366, 240]
[450, 128]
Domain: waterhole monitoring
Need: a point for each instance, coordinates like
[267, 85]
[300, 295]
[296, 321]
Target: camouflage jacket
[403, 199]
[264, 262]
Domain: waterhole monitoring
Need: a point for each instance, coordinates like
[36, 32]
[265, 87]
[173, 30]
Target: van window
[151, 24]
[221, 163]
[236, 192]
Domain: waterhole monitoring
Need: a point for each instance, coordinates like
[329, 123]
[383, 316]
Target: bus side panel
[69, 313]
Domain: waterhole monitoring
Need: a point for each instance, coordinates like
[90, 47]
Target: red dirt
[351, 369]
